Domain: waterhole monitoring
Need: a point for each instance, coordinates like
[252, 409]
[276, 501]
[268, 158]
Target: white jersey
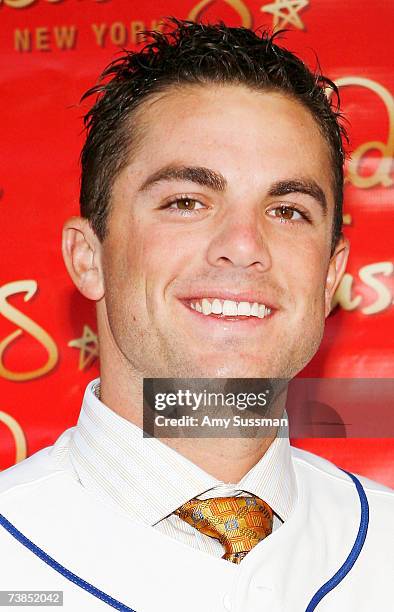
[327, 540]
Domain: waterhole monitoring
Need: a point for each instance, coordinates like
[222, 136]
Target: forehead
[253, 136]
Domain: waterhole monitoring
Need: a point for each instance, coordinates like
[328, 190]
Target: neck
[227, 459]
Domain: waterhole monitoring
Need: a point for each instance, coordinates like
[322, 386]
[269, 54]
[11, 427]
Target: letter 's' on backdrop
[52, 51]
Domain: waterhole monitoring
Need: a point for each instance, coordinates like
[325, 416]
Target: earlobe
[82, 256]
[336, 270]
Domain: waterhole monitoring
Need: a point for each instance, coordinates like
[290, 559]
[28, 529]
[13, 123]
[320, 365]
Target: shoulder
[320, 474]
[45, 465]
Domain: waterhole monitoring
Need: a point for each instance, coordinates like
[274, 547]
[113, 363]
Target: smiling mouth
[228, 309]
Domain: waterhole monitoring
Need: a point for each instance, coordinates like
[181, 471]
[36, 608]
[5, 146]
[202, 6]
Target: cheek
[301, 264]
[165, 252]
[155, 251]
[161, 257]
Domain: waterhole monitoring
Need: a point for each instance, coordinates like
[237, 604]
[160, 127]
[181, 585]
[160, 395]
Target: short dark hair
[195, 53]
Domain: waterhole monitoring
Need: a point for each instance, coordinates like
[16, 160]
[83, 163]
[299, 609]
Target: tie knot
[239, 523]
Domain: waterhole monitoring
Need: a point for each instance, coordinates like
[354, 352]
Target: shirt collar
[149, 480]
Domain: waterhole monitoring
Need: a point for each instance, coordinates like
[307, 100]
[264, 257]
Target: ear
[82, 255]
[336, 270]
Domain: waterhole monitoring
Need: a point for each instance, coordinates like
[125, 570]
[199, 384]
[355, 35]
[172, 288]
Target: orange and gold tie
[239, 523]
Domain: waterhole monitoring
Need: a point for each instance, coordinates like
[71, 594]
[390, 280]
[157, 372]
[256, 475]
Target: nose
[239, 242]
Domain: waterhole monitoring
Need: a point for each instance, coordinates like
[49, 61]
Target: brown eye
[185, 204]
[286, 213]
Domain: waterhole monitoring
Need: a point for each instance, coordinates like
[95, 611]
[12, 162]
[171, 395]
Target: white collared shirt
[149, 480]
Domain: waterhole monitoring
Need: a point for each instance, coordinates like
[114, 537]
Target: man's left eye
[286, 213]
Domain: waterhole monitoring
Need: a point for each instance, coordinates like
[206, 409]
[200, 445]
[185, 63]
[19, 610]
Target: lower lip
[242, 321]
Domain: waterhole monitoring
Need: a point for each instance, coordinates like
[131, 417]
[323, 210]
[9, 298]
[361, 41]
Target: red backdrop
[52, 51]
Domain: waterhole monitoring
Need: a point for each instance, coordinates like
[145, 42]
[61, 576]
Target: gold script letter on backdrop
[381, 176]
[367, 274]
[24, 323]
[238, 5]
[18, 435]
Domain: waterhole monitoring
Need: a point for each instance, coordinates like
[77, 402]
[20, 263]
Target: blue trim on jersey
[354, 553]
[326, 588]
[61, 569]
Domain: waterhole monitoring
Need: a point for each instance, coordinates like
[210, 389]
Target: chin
[236, 368]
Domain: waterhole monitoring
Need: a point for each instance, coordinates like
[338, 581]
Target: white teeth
[206, 307]
[244, 309]
[254, 311]
[216, 306]
[230, 308]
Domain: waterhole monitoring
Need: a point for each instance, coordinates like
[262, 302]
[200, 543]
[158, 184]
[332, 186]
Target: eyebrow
[195, 174]
[306, 186]
[216, 181]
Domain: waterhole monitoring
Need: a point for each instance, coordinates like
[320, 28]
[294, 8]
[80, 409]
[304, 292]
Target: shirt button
[257, 585]
[266, 595]
[227, 601]
[263, 588]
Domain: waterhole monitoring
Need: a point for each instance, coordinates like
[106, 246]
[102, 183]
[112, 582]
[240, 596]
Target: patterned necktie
[239, 523]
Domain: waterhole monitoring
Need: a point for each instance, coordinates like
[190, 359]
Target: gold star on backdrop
[87, 353]
[286, 12]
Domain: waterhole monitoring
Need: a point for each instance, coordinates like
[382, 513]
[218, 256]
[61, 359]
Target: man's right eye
[185, 206]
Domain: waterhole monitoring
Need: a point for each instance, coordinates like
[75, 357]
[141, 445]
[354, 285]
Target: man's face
[228, 198]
